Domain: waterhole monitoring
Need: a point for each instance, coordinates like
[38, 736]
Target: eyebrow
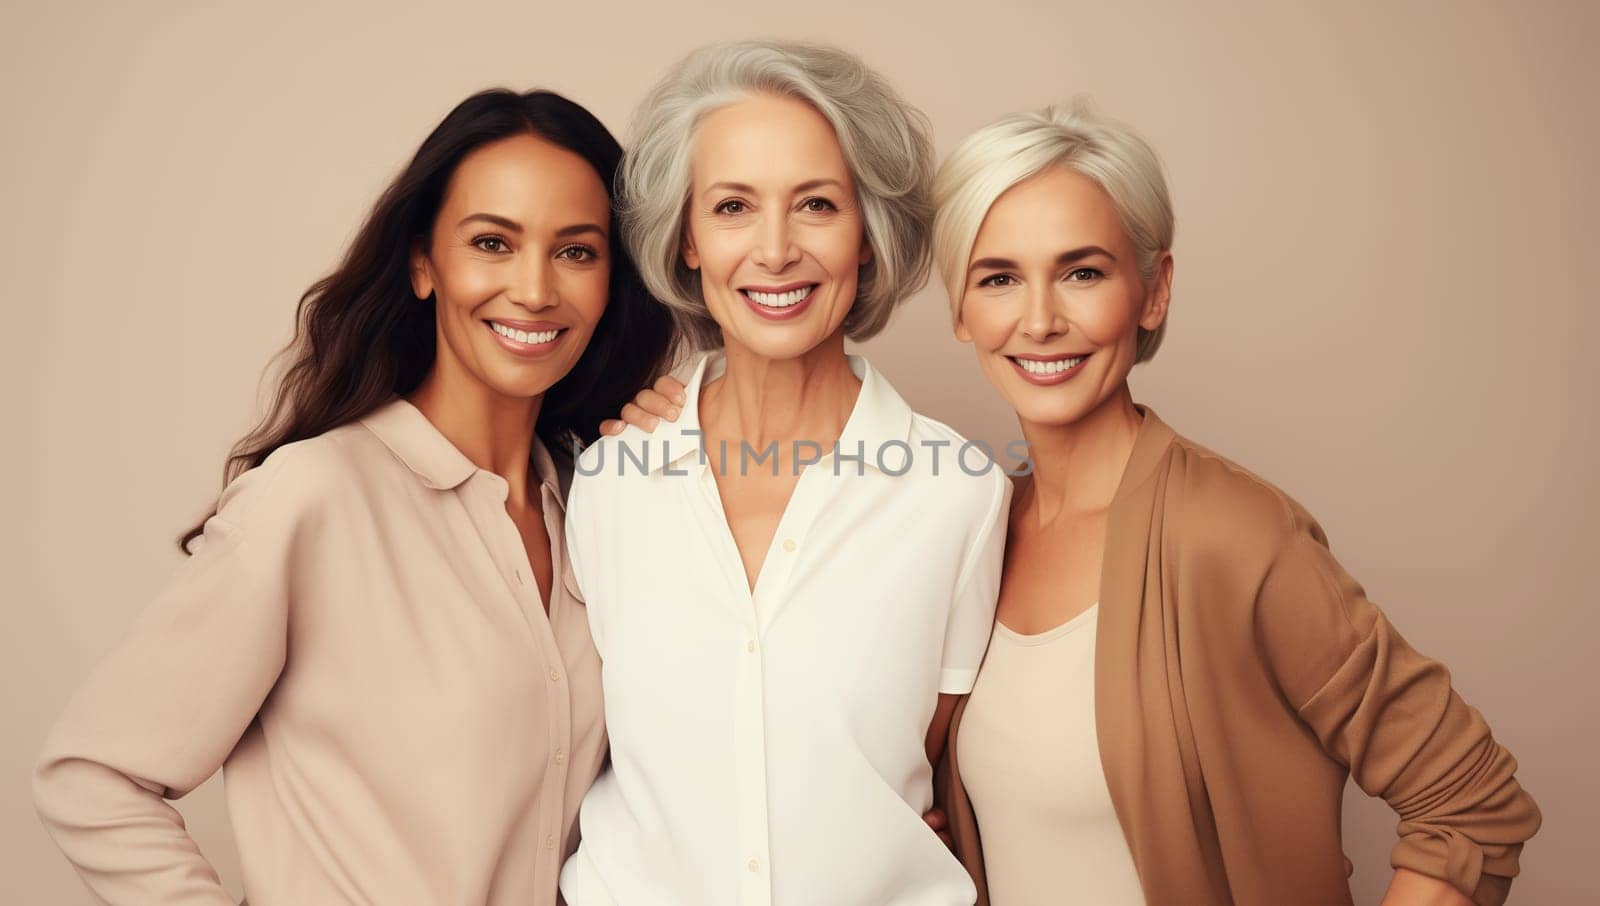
[509, 224]
[1063, 259]
[748, 189]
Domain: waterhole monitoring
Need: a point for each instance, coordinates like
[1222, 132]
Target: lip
[1047, 380]
[780, 314]
[526, 350]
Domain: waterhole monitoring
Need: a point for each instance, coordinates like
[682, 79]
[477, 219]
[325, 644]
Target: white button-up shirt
[767, 746]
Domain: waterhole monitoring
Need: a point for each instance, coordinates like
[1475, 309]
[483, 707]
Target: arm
[1391, 715]
[940, 727]
[161, 714]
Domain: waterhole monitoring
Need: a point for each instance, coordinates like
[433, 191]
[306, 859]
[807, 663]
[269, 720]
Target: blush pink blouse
[360, 645]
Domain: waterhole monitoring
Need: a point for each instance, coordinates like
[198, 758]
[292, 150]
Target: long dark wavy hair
[361, 337]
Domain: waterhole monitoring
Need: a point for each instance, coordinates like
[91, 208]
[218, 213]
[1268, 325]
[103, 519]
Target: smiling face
[773, 226]
[519, 265]
[1053, 300]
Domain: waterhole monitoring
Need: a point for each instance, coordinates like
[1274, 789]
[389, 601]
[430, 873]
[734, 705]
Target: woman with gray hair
[1182, 678]
[812, 567]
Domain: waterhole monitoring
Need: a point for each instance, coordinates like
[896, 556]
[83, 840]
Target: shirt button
[754, 865]
[555, 675]
[561, 756]
[550, 842]
[789, 545]
[750, 646]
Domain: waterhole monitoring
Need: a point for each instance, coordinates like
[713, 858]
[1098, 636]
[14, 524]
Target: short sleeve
[971, 619]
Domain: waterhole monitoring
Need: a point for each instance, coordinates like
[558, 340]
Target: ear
[691, 256]
[962, 333]
[866, 252]
[421, 274]
[1155, 307]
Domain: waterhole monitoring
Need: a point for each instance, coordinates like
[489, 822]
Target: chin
[788, 342]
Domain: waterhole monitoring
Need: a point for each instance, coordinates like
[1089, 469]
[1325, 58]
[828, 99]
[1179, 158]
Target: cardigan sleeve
[164, 710]
[1389, 713]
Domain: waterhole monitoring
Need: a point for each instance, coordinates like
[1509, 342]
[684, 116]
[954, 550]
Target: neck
[1078, 466]
[761, 400]
[492, 430]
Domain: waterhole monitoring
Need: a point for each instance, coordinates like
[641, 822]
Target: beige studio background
[1386, 236]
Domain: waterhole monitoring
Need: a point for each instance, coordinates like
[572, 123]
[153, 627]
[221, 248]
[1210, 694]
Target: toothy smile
[532, 338]
[781, 299]
[1045, 368]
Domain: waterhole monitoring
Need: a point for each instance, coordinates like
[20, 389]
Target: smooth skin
[1052, 275]
[521, 239]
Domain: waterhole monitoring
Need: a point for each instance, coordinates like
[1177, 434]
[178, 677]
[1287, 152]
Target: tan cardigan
[1240, 677]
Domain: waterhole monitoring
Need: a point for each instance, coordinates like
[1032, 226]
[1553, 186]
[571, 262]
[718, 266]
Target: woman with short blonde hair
[1182, 678]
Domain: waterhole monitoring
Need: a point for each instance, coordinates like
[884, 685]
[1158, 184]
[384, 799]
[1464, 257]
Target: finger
[612, 426]
[657, 405]
[935, 819]
[633, 415]
[672, 388]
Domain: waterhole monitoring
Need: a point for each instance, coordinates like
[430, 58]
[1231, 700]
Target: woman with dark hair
[376, 631]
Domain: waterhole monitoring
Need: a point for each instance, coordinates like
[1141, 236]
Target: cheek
[588, 292]
[720, 254]
[466, 284]
[989, 322]
[839, 249]
[1105, 317]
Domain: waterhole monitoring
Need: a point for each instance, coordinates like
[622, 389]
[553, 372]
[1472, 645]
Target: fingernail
[680, 398]
[654, 422]
[673, 413]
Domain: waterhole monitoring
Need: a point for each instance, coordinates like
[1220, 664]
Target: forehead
[528, 178]
[765, 138]
[1045, 214]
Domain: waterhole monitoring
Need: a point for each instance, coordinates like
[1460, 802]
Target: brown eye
[1084, 275]
[491, 244]
[998, 280]
[730, 207]
[578, 253]
[818, 206]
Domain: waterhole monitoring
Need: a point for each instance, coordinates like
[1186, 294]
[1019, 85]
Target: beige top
[359, 642]
[1031, 761]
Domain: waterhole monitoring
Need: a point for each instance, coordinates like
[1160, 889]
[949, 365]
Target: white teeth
[778, 300]
[1033, 366]
[522, 336]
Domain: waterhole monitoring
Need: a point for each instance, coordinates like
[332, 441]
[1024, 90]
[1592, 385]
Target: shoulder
[971, 470]
[1223, 504]
[303, 479]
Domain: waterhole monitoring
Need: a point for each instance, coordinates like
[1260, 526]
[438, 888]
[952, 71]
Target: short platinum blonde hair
[1011, 150]
[885, 141]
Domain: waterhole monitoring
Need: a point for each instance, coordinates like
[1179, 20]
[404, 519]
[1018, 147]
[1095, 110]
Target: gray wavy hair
[885, 141]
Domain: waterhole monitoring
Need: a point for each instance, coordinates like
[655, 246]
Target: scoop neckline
[1051, 634]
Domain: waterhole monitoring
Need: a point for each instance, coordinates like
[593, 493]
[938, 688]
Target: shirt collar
[880, 416]
[418, 444]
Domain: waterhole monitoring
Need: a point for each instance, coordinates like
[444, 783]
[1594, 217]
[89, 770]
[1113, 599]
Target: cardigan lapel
[1146, 742]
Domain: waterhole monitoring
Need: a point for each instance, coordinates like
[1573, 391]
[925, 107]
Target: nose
[531, 283]
[775, 247]
[1042, 318]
